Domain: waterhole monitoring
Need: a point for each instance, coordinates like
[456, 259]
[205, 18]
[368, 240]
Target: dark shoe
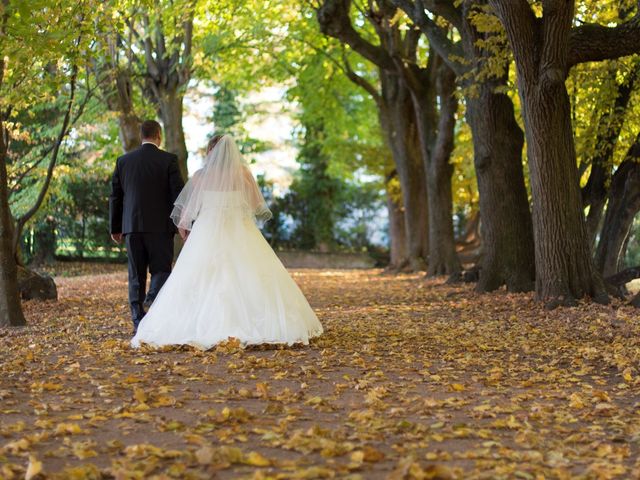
[136, 322]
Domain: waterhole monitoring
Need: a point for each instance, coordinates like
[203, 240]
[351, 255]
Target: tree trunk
[129, 131]
[397, 233]
[119, 96]
[167, 75]
[170, 111]
[507, 231]
[396, 114]
[507, 235]
[397, 118]
[10, 308]
[442, 259]
[541, 48]
[563, 258]
[622, 207]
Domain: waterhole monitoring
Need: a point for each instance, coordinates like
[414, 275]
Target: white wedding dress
[227, 282]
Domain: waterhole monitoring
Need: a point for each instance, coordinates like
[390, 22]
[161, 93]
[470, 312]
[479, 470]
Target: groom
[145, 183]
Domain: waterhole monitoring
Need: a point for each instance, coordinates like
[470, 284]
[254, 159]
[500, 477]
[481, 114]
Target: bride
[227, 281]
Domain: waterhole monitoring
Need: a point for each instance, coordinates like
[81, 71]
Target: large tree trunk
[397, 118]
[129, 131]
[507, 234]
[442, 259]
[10, 308]
[118, 91]
[622, 206]
[563, 257]
[395, 109]
[564, 266]
[167, 76]
[128, 121]
[506, 220]
[507, 231]
[170, 111]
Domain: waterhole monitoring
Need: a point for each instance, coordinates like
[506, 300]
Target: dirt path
[412, 379]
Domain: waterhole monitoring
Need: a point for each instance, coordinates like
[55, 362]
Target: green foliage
[229, 117]
[314, 193]
[77, 203]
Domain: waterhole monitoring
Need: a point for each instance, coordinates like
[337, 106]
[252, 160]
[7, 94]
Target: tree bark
[398, 121]
[397, 233]
[442, 259]
[507, 232]
[170, 111]
[119, 97]
[10, 307]
[622, 206]
[564, 268]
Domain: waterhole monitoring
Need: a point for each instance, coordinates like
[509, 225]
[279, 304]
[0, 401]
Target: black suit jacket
[145, 184]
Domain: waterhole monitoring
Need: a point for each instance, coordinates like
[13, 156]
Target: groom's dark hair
[150, 129]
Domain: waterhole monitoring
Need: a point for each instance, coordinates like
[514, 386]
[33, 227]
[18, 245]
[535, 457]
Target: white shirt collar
[150, 143]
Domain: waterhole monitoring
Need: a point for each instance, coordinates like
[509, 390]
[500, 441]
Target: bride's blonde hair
[213, 142]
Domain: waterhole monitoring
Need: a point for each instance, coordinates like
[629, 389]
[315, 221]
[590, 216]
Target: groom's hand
[116, 237]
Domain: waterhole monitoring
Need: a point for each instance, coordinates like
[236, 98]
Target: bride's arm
[253, 192]
[190, 189]
[184, 234]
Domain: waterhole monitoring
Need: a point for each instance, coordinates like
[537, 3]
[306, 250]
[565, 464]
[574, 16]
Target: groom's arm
[116, 204]
[176, 184]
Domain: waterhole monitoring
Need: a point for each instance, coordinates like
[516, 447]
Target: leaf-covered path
[412, 379]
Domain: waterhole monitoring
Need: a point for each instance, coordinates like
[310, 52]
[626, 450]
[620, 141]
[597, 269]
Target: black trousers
[151, 252]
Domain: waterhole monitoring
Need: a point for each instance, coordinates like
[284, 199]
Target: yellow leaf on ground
[34, 468]
[257, 460]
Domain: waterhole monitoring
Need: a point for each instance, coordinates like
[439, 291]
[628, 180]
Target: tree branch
[445, 9]
[591, 42]
[23, 219]
[437, 36]
[49, 149]
[333, 17]
[360, 81]
[152, 66]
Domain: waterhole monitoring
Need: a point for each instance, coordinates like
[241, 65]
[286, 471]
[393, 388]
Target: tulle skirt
[228, 282]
